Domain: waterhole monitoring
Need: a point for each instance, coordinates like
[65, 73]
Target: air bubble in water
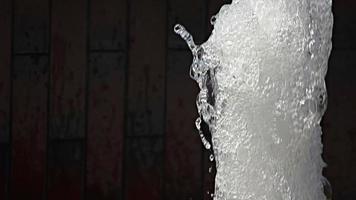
[213, 20]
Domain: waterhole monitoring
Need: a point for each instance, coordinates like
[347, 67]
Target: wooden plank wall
[106, 107]
[144, 145]
[30, 72]
[96, 102]
[5, 94]
[68, 85]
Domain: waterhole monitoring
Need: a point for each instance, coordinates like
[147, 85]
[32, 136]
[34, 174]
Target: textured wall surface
[96, 101]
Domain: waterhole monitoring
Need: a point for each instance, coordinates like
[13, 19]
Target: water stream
[262, 93]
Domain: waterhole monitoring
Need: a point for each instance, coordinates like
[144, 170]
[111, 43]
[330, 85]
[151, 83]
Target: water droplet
[185, 35]
[211, 157]
[197, 123]
[204, 140]
[206, 144]
[178, 28]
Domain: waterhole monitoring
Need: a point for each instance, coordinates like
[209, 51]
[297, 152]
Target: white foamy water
[261, 75]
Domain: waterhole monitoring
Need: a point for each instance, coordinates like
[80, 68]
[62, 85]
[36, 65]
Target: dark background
[96, 101]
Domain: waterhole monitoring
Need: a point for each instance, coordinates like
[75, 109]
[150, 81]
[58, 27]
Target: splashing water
[262, 93]
[198, 72]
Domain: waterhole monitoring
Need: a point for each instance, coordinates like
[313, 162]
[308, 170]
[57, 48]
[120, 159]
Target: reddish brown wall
[96, 101]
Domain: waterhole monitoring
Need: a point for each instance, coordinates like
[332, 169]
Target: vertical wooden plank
[29, 99]
[183, 159]
[31, 26]
[65, 170]
[105, 126]
[67, 108]
[192, 15]
[146, 99]
[339, 128]
[5, 62]
[108, 41]
[68, 64]
[147, 67]
[108, 24]
[344, 29]
[144, 168]
[4, 170]
[29, 127]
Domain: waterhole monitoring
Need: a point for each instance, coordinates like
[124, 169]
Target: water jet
[264, 67]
